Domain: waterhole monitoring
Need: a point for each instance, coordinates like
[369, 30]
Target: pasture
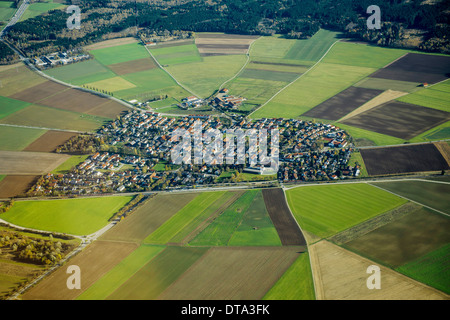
[72, 216]
[403, 159]
[328, 209]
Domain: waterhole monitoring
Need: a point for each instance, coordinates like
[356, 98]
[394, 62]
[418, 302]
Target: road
[23, 7]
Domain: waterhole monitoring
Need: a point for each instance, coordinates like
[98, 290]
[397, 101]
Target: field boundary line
[170, 75]
[423, 205]
[286, 86]
[40, 128]
[393, 61]
[243, 67]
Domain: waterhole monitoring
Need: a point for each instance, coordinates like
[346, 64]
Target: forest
[104, 19]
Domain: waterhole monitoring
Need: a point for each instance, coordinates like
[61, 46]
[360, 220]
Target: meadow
[177, 54]
[72, 216]
[435, 97]
[16, 138]
[328, 209]
[39, 8]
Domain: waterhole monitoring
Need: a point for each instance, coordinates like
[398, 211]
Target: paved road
[23, 7]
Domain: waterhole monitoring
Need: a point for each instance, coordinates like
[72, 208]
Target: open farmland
[399, 119]
[18, 163]
[405, 239]
[94, 261]
[176, 54]
[149, 217]
[341, 275]
[16, 185]
[39, 92]
[328, 209]
[72, 216]
[49, 141]
[17, 138]
[18, 78]
[232, 274]
[210, 44]
[343, 103]
[416, 67]
[403, 159]
[132, 66]
[287, 228]
[9, 106]
[435, 97]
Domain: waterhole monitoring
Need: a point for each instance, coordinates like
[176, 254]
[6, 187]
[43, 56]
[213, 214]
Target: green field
[324, 80]
[69, 164]
[47, 117]
[177, 54]
[436, 97]
[81, 72]
[431, 269]
[328, 209]
[16, 138]
[39, 8]
[429, 193]
[295, 284]
[256, 227]
[256, 91]
[118, 54]
[362, 55]
[245, 222]
[112, 84]
[356, 158]
[74, 216]
[368, 138]
[112, 280]
[204, 77]
[183, 218]
[7, 10]
[9, 106]
[268, 75]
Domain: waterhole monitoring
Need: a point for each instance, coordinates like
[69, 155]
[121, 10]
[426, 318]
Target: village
[139, 147]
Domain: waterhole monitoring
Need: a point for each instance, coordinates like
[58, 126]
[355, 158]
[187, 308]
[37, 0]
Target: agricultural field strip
[282, 89]
[30, 127]
[170, 75]
[438, 211]
[243, 67]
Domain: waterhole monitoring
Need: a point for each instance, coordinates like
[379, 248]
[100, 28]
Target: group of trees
[82, 144]
[6, 205]
[39, 251]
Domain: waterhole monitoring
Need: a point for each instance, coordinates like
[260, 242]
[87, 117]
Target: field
[9, 106]
[13, 185]
[7, 10]
[328, 209]
[288, 230]
[49, 141]
[176, 54]
[435, 97]
[416, 67]
[72, 216]
[210, 44]
[341, 275]
[399, 119]
[18, 163]
[403, 159]
[69, 164]
[16, 138]
[36, 9]
[120, 53]
[342, 104]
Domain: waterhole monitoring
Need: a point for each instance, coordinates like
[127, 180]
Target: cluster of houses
[308, 151]
[59, 58]
[226, 101]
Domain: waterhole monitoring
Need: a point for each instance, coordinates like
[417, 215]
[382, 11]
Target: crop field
[39, 92]
[120, 53]
[431, 269]
[341, 275]
[256, 91]
[232, 273]
[386, 84]
[16, 185]
[404, 239]
[149, 217]
[295, 284]
[18, 162]
[36, 9]
[210, 44]
[403, 159]
[268, 75]
[281, 67]
[132, 66]
[94, 261]
[364, 138]
[280, 214]
[328, 209]
[17, 79]
[16, 138]
[325, 80]
[416, 67]
[7, 10]
[429, 193]
[49, 141]
[176, 54]
[343, 103]
[72, 216]
[435, 97]
[9, 106]
[204, 77]
[399, 119]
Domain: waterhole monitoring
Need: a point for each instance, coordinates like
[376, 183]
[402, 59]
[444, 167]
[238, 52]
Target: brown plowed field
[132, 66]
[416, 67]
[287, 227]
[29, 163]
[94, 261]
[403, 159]
[399, 119]
[73, 100]
[444, 149]
[13, 186]
[39, 92]
[110, 109]
[49, 141]
[343, 103]
[148, 217]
